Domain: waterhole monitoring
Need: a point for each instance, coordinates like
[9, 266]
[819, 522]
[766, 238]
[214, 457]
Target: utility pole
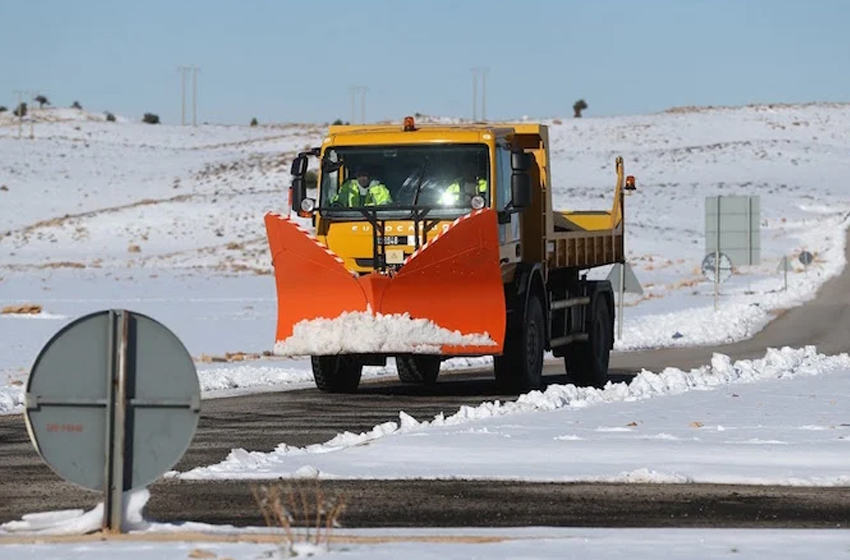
[353, 91]
[20, 93]
[484, 93]
[32, 115]
[32, 95]
[195, 71]
[184, 71]
[479, 71]
[474, 94]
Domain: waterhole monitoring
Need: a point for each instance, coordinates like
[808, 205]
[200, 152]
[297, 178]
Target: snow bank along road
[260, 422]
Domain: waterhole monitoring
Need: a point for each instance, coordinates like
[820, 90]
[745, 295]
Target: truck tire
[336, 374]
[587, 361]
[520, 367]
[421, 370]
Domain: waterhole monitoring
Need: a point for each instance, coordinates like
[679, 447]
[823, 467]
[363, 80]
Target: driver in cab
[362, 190]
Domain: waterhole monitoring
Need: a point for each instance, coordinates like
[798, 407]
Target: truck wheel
[520, 367]
[422, 370]
[336, 374]
[587, 361]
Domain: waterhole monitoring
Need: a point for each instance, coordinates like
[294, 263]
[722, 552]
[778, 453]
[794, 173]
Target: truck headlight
[308, 204]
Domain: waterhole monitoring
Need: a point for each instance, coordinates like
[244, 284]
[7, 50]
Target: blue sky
[294, 60]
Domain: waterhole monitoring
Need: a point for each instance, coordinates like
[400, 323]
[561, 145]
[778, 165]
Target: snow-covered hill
[169, 219]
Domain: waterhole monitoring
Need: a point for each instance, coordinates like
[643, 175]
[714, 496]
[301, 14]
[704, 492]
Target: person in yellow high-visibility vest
[362, 190]
[468, 185]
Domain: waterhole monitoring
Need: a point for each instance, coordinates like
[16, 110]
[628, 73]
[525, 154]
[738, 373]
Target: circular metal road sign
[108, 387]
[717, 272]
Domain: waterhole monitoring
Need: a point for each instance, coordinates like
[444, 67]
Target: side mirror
[299, 166]
[521, 161]
[299, 191]
[520, 190]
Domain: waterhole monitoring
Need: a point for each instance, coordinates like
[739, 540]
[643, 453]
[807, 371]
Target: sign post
[623, 280]
[783, 267]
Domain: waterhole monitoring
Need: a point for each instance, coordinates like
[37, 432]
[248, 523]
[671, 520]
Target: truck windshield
[392, 179]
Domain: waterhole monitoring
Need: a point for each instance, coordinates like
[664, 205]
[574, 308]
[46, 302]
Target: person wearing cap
[362, 190]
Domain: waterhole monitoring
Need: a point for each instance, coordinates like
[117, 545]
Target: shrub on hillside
[254, 122]
[42, 101]
[579, 106]
[76, 105]
[150, 118]
[337, 122]
[21, 110]
[110, 117]
[3, 109]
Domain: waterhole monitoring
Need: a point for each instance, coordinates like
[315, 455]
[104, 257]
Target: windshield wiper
[420, 181]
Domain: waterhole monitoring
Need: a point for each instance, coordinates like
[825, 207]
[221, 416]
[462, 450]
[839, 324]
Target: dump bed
[575, 239]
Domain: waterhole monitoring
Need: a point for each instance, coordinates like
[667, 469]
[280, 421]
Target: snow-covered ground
[159, 543]
[167, 221]
[519, 544]
[779, 420]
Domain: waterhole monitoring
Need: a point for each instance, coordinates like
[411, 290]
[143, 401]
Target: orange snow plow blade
[311, 281]
[454, 282]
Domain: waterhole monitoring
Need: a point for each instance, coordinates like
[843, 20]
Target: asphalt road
[261, 422]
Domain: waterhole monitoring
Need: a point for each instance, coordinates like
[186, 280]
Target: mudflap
[453, 281]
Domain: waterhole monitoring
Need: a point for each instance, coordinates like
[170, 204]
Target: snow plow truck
[423, 243]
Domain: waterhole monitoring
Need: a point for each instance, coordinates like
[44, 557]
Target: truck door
[509, 239]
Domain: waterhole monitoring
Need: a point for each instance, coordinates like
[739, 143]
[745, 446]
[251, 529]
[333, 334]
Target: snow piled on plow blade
[447, 298]
[362, 332]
